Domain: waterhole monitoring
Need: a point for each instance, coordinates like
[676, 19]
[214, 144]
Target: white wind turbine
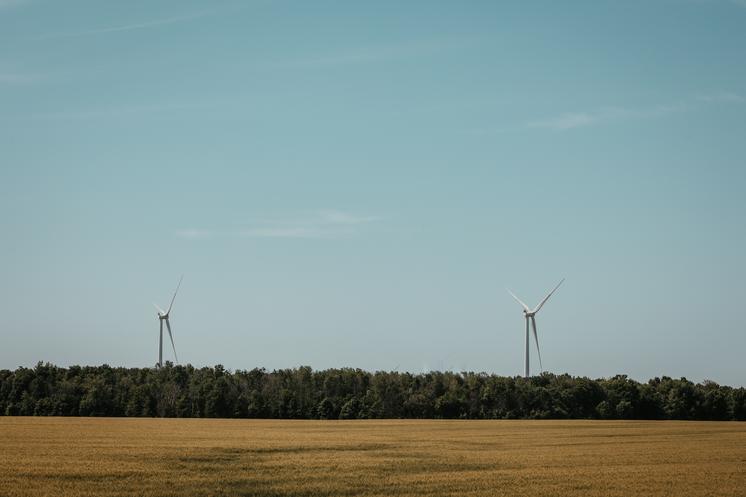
[529, 314]
[163, 316]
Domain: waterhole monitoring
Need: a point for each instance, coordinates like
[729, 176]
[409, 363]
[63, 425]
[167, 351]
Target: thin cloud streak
[122, 111]
[17, 78]
[129, 27]
[339, 217]
[573, 120]
[381, 53]
[581, 119]
[320, 224]
[723, 97]
[738, 3]
[279, 232]
[12, 3]
[193, 234]
[566, 121]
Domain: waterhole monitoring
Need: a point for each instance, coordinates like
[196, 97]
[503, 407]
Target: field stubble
[184, 457]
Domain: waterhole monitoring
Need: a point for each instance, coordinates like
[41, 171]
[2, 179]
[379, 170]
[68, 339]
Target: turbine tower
[529, 314]
[163, 316]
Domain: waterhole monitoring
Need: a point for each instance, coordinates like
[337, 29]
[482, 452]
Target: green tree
[97, 400]
[325, 409]
[350, 409]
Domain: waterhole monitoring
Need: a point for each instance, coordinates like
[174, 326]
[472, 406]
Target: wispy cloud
[193, 234]
[317, 224]
[385, 52]
[17, 78]
[604, 115]
[11, 3]
[283, 232]
[723, 97]
[121, 111]
[739, 3]
[566, 121]
[154, 23]
[332, 217]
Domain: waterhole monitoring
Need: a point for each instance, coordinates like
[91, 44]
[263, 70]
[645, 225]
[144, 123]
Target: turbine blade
[525, 307]
[536, 338]
[159, 309]
[174, 297]
[547, 297]
[168, 325]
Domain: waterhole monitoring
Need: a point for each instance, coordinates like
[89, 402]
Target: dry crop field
[183, 457]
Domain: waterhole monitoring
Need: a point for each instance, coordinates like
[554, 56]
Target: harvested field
[184, 457]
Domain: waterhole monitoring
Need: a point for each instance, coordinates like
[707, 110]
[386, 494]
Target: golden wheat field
[189, 457]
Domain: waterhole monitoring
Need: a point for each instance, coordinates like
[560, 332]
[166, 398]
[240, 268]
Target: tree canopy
[302, 393]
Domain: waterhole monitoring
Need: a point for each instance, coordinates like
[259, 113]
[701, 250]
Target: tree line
[302, 393]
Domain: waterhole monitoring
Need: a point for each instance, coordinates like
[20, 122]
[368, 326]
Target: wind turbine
[529, 314]
[163, 316]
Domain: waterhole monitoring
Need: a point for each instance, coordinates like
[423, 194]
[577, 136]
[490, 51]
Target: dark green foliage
[185, 391]
[739, 404]
[350, 409]
[325, 409]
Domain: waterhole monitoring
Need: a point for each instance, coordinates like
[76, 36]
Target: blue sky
[356, 183]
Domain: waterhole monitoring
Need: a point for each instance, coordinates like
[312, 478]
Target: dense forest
[301, 393]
